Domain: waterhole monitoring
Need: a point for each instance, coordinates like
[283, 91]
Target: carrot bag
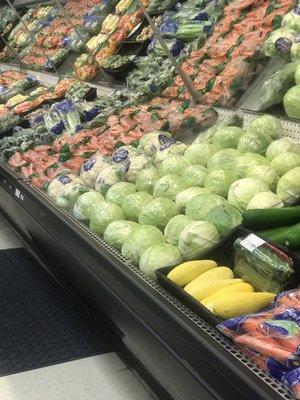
[274, 332]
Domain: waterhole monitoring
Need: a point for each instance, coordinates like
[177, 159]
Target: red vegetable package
[271, 338]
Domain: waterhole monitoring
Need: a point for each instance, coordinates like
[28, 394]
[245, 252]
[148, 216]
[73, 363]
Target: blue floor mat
[40, 323]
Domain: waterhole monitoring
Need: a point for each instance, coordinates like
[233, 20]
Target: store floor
[100, 377]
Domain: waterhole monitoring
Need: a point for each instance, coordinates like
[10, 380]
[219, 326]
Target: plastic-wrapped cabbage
[265, 200]
[225, 218]
[136, 163]
[103, 215]
[243, 190]
[92, 167]
[146, 180]
[266, 124]
[85, 204]
[195, 175]
[158, 256]
[118, 191]
[139, 240]
[197, 238]
[151, 142]
[254, 143]
[182, 198]
[170, 148]
[265, 174]
[218, 181]
[200, 153]
[280, 146]
[109, 176]
[292, 20]
[279, 42]
[174, 164]
[247, 161]
[57, 185]
[65, 190]
[133, 203]
[224, 159]
[198, 207]
[175, 226]
[168, 186]
[116, 232]
[122, 154]
[158, 212]
[291, 102]
[227, 137]
[285, 162]
[288, 188]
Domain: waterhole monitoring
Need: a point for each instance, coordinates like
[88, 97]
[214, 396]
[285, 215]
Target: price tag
[17, 193]
[251, 242]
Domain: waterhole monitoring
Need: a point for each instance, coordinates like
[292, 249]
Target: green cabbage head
[116, 232]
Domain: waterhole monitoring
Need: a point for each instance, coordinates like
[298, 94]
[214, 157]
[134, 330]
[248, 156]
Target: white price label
[17, 193]
[251, 242]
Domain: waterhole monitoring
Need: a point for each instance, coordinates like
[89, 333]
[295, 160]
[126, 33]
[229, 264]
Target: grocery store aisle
[99, 377]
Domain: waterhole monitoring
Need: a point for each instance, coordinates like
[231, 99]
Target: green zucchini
[271, 217]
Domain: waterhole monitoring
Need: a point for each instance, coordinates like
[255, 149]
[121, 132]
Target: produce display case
[177, 352]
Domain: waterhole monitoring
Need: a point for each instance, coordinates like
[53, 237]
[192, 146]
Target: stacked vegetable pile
[52, 31]
[183, 29]
[178, 193]
[7, 19]
[115, 28]
[224, 67]
[81, 139]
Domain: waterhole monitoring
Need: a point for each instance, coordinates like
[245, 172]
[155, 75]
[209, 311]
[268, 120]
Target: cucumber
[289, 237]
[271, 217]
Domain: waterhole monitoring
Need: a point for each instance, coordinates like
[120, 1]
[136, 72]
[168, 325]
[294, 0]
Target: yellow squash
[218, 273]
[236, 304]
[186, 272]
[209, 301]
[205, 288]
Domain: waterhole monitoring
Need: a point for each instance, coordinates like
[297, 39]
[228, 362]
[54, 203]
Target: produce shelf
[179, 354]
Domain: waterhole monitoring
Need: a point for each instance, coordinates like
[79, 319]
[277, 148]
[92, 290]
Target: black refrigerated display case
[178, 354]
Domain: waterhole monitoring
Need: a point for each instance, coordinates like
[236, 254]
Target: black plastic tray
[223, 254]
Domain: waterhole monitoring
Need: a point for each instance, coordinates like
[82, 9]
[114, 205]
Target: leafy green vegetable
[265, 174]
[218, 181]
[224, 217]
[168, 186]
[285, 162]
[108, 177]
[195, 175]
[175, 226]
[291, 102]
[182, 198]
[227, 137]
[133, 203]
[198, 207]
[85, 204]
[158, 212]
[174, 164]
[103, 214]
[266, 124]
[288, 188]
[242, 191]
[146, 180]
[254, 143]
[200, 153]
[280, 146]
[117, 231]
[118, 191]
[224, 159]
[158, 256]
[197, 238]
[139, 240]
[247, 161]
[265, 200]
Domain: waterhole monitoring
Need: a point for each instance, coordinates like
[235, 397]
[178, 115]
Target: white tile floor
[103, 377]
